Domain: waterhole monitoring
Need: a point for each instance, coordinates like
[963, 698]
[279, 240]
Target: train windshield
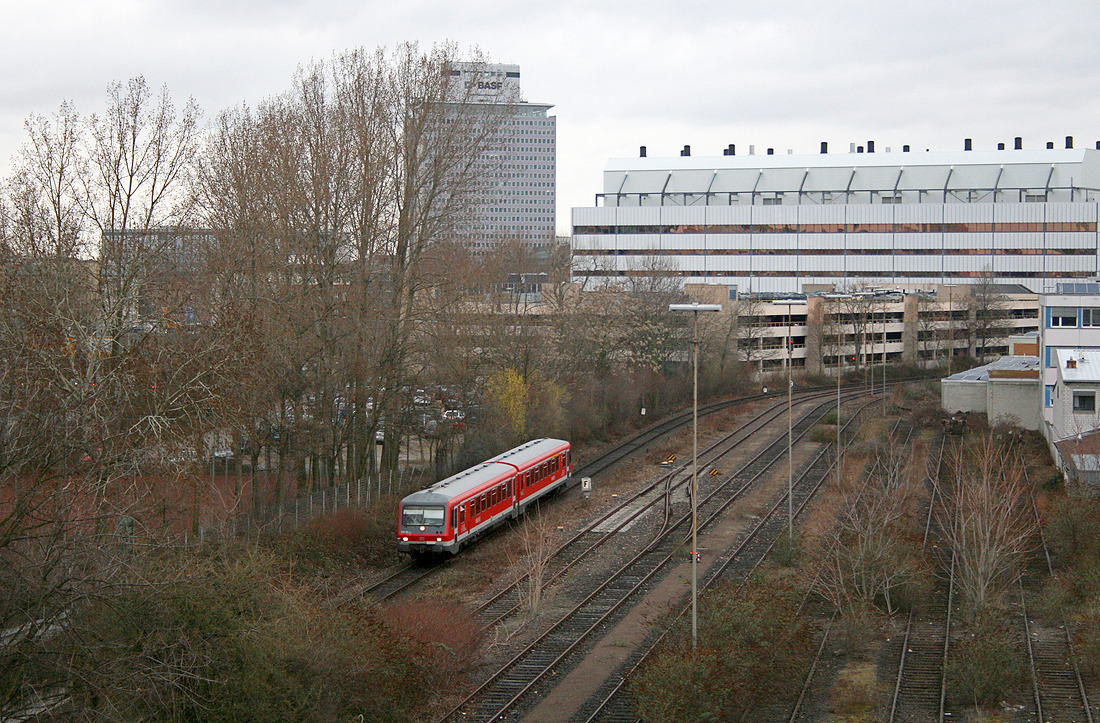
[415, 515]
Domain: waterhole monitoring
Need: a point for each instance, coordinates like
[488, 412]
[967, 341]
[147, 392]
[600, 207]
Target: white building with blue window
[1073, 399]
[1070, 321]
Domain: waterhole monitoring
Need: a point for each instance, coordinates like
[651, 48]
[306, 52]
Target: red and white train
[450, 514]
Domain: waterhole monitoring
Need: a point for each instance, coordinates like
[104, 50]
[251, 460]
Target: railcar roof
[527, 451]
[487, 471]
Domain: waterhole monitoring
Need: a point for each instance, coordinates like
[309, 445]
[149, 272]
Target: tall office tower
[519, 196]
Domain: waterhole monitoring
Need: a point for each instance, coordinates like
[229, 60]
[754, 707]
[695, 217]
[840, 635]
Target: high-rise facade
[519, 196]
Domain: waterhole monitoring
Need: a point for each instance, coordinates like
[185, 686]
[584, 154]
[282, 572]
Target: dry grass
[857, 696]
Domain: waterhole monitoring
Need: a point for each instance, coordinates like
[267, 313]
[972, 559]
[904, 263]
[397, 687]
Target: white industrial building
[520, 193]
[780, 223]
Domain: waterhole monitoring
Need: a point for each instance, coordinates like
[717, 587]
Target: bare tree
[536, 543]
[867, 552]
[987, 315]
[985, 517]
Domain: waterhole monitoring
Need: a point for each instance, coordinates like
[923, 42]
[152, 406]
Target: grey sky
[781, 74]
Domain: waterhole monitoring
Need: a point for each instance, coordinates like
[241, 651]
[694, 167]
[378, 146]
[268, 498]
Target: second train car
[447, 516]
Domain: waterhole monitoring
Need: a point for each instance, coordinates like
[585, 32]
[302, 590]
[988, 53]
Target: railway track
[920, 685]
[822, 671]
[506, 690]
[1058, 692]
[612, 704]
[583, 543]
[608, 526]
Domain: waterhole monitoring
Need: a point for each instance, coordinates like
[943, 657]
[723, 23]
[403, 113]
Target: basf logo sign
[487, 83]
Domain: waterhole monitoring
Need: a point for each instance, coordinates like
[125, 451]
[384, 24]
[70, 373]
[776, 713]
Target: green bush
[226, 637]
[753, 646]
[1086, 643]
[985, 666]
[823, 433]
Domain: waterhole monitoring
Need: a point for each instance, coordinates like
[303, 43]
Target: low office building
[823, 329]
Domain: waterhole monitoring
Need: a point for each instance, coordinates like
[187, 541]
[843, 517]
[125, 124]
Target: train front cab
[423, 530]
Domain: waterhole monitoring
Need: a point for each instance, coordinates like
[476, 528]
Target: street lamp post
[884, 315]
[950, 325]
[790, 424]
[694, 308]
[839, 368]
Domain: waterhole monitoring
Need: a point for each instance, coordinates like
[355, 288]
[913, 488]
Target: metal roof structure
[963, 171]
[1078, 365]
[1005, 363]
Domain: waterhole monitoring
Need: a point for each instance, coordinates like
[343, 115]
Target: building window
[778, 200]
[1035, 198]
[1084, 402]
[1090, 317]
[1063, 316]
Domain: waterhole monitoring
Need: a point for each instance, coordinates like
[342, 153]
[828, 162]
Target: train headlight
[439, 539]
[422, 528]
[404, 539]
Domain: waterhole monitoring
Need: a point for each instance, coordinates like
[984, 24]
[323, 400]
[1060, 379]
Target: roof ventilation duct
[905, 149]
[686, 151]
[968, 144]
[1069, 141]
[1050, 145]
[859, 149]
[771, 151]
[731, 150]
[870, 146]
[1019, 143]
[824, 147]
[1000, 146]
[641, 152]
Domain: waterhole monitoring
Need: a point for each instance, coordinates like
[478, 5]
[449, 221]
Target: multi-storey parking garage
[776, 223]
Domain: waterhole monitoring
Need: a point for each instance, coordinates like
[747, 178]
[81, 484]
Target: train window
[510, 488]
[412, 516]
[454, 518]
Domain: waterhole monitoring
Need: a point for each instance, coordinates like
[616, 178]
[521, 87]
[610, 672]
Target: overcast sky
[769, 73]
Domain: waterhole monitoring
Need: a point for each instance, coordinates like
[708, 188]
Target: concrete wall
[963, 396]
[1015, 401]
